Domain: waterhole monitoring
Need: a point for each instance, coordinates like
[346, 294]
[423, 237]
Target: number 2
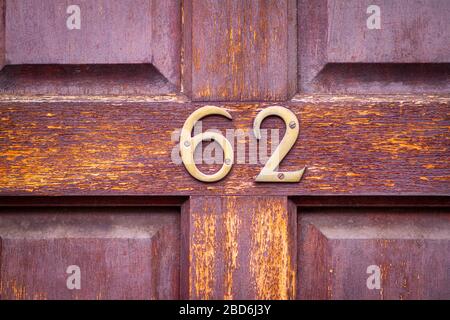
[269, 173]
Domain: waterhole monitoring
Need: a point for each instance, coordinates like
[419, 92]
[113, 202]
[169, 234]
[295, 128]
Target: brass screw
[292, 125]
[187, 143]
[227, 162]
[280, 176]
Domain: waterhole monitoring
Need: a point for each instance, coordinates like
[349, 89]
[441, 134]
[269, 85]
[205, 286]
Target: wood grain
[97, 201]
[240, 50]
[36, 33]
[339, 54]
[122, 253]
[88, 150]
[347, 201]
[241, 247]
[412, 31]
[383, 146]
[112, 32]
[85, 80]
[166, 37]
[2, 34]
[410, 246]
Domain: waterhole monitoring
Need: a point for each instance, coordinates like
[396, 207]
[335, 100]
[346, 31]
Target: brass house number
[269, 173]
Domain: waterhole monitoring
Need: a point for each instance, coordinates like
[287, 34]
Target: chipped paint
[270, 263]
[204, 245]
[232, 227]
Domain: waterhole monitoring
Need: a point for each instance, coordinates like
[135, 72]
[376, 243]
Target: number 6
[188, 144]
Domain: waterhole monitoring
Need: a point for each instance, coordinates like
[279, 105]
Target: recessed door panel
[89, 253]
[374, 254]
[362, 46]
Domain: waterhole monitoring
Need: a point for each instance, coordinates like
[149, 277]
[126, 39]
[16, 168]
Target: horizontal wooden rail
[384, 146]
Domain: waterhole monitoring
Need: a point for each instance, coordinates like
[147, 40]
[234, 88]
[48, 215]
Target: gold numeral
[188, 144]
[269, 173]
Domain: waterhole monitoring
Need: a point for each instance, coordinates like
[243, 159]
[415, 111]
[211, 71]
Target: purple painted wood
[411, 248]
[2, 34]
[122, 253]
[85, 80]
[412, 31]
[337, 47]
[62, 134]
[240, 50]
[111, 32]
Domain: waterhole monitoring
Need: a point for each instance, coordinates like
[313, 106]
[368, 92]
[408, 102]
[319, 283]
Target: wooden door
[96, 202]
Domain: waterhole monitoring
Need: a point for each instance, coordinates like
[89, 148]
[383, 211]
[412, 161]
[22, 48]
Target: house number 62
[269, 173]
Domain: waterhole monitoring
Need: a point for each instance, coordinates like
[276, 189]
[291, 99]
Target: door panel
[343, 250]
[410, 31]
[90, 119]
[38, 32]
[121, 253]
[90, 32]
[359, 46]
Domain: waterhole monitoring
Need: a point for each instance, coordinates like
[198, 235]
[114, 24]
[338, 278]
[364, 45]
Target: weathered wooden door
[97, 203]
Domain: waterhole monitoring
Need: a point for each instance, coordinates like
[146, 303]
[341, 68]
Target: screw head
[227, 162]
[292, 125]
[187, 143]
[281, 176]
